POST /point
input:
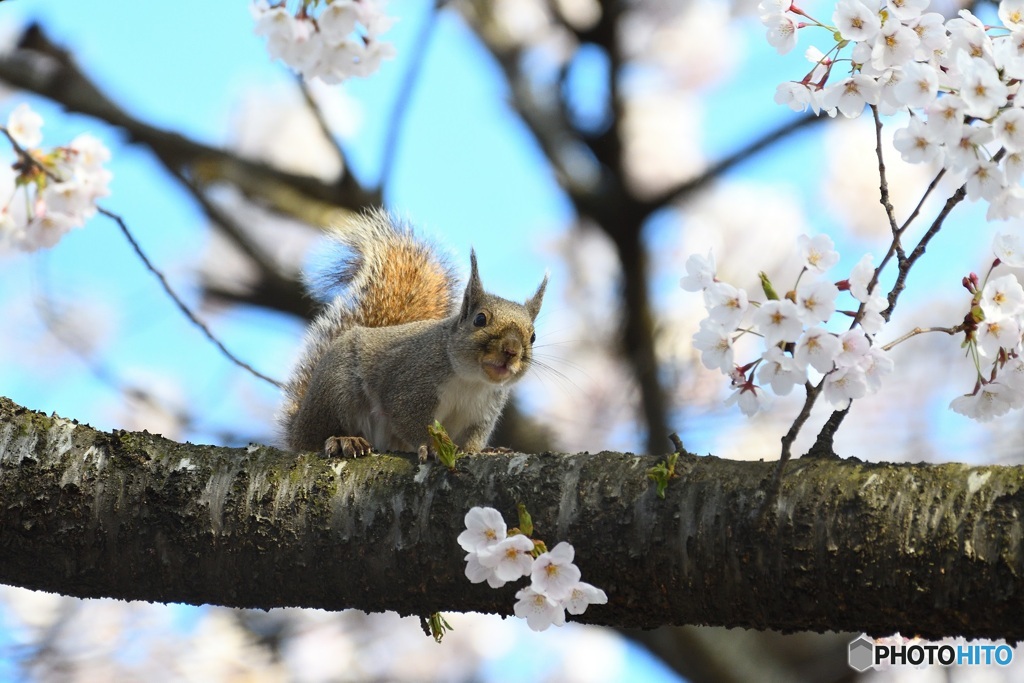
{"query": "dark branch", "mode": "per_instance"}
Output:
(933, 550)
(41, 67)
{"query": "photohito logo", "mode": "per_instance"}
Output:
(864, 654)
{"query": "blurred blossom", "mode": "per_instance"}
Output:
(276, 126)
(691, 44)
(850, 181)
(662, 148)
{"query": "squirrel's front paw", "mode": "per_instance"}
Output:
(346, 446)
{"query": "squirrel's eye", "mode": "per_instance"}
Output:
(480, 320)
(533, 337)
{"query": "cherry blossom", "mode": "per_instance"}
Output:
(779, 321)
(484, 527)
(895, 45)
(816, 301)
(510, 558)
(714, 341)
(1002, 297)
(341, 42)
(987, 402)
(818, 349)
(539, 610)
(780, 371)
(876, 364)
(581, 595)
(1009, 248)
(917, 142)
(793, 332)
(860, 277)
(726, 304)
(993, 335)
(818, 252)
(478, 573)
(919, 85)
(25, 126)
(553, 572)
(782, 32)
(751, 399)
(960, 74)
(700, 272)
(844, 384)
(47, 193)
(497, 559)
(855, 20)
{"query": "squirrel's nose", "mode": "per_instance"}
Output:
(513, 348)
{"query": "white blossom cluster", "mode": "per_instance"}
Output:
(795, 342)
(45, 194)
(332, 44)
(959, 80)
(497, 558)
(994, 330)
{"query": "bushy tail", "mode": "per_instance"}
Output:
(384, 276)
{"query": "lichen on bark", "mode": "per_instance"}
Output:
(932, 550)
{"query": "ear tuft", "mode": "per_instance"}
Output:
(533, 303)
(474, 288)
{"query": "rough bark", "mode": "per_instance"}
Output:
(933, 550)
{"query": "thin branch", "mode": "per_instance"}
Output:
(883, 183)
(794, 429)
(417, 57)
(824, 441)
(177, 300)
(917, 209)
(907, 263)
(922, 330)
(40, 66)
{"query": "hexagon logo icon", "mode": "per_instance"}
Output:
(862, 654)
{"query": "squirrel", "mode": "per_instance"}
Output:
(393, 352)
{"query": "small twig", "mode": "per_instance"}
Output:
(927, 192)
(883, 183)
(824, 441)
(794, 429)
(676, 442)
(922, 330)
(905, 264)
(177, 300)
(23, 154)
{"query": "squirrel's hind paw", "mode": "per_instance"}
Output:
(347, 447)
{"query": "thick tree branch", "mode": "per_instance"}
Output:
(933, 550)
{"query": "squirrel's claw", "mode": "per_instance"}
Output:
(426, 452)
(346, 447)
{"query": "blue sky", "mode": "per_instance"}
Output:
(184, 66)
(467, 170)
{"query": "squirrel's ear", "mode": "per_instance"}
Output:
(474, 289)
(533, 303)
